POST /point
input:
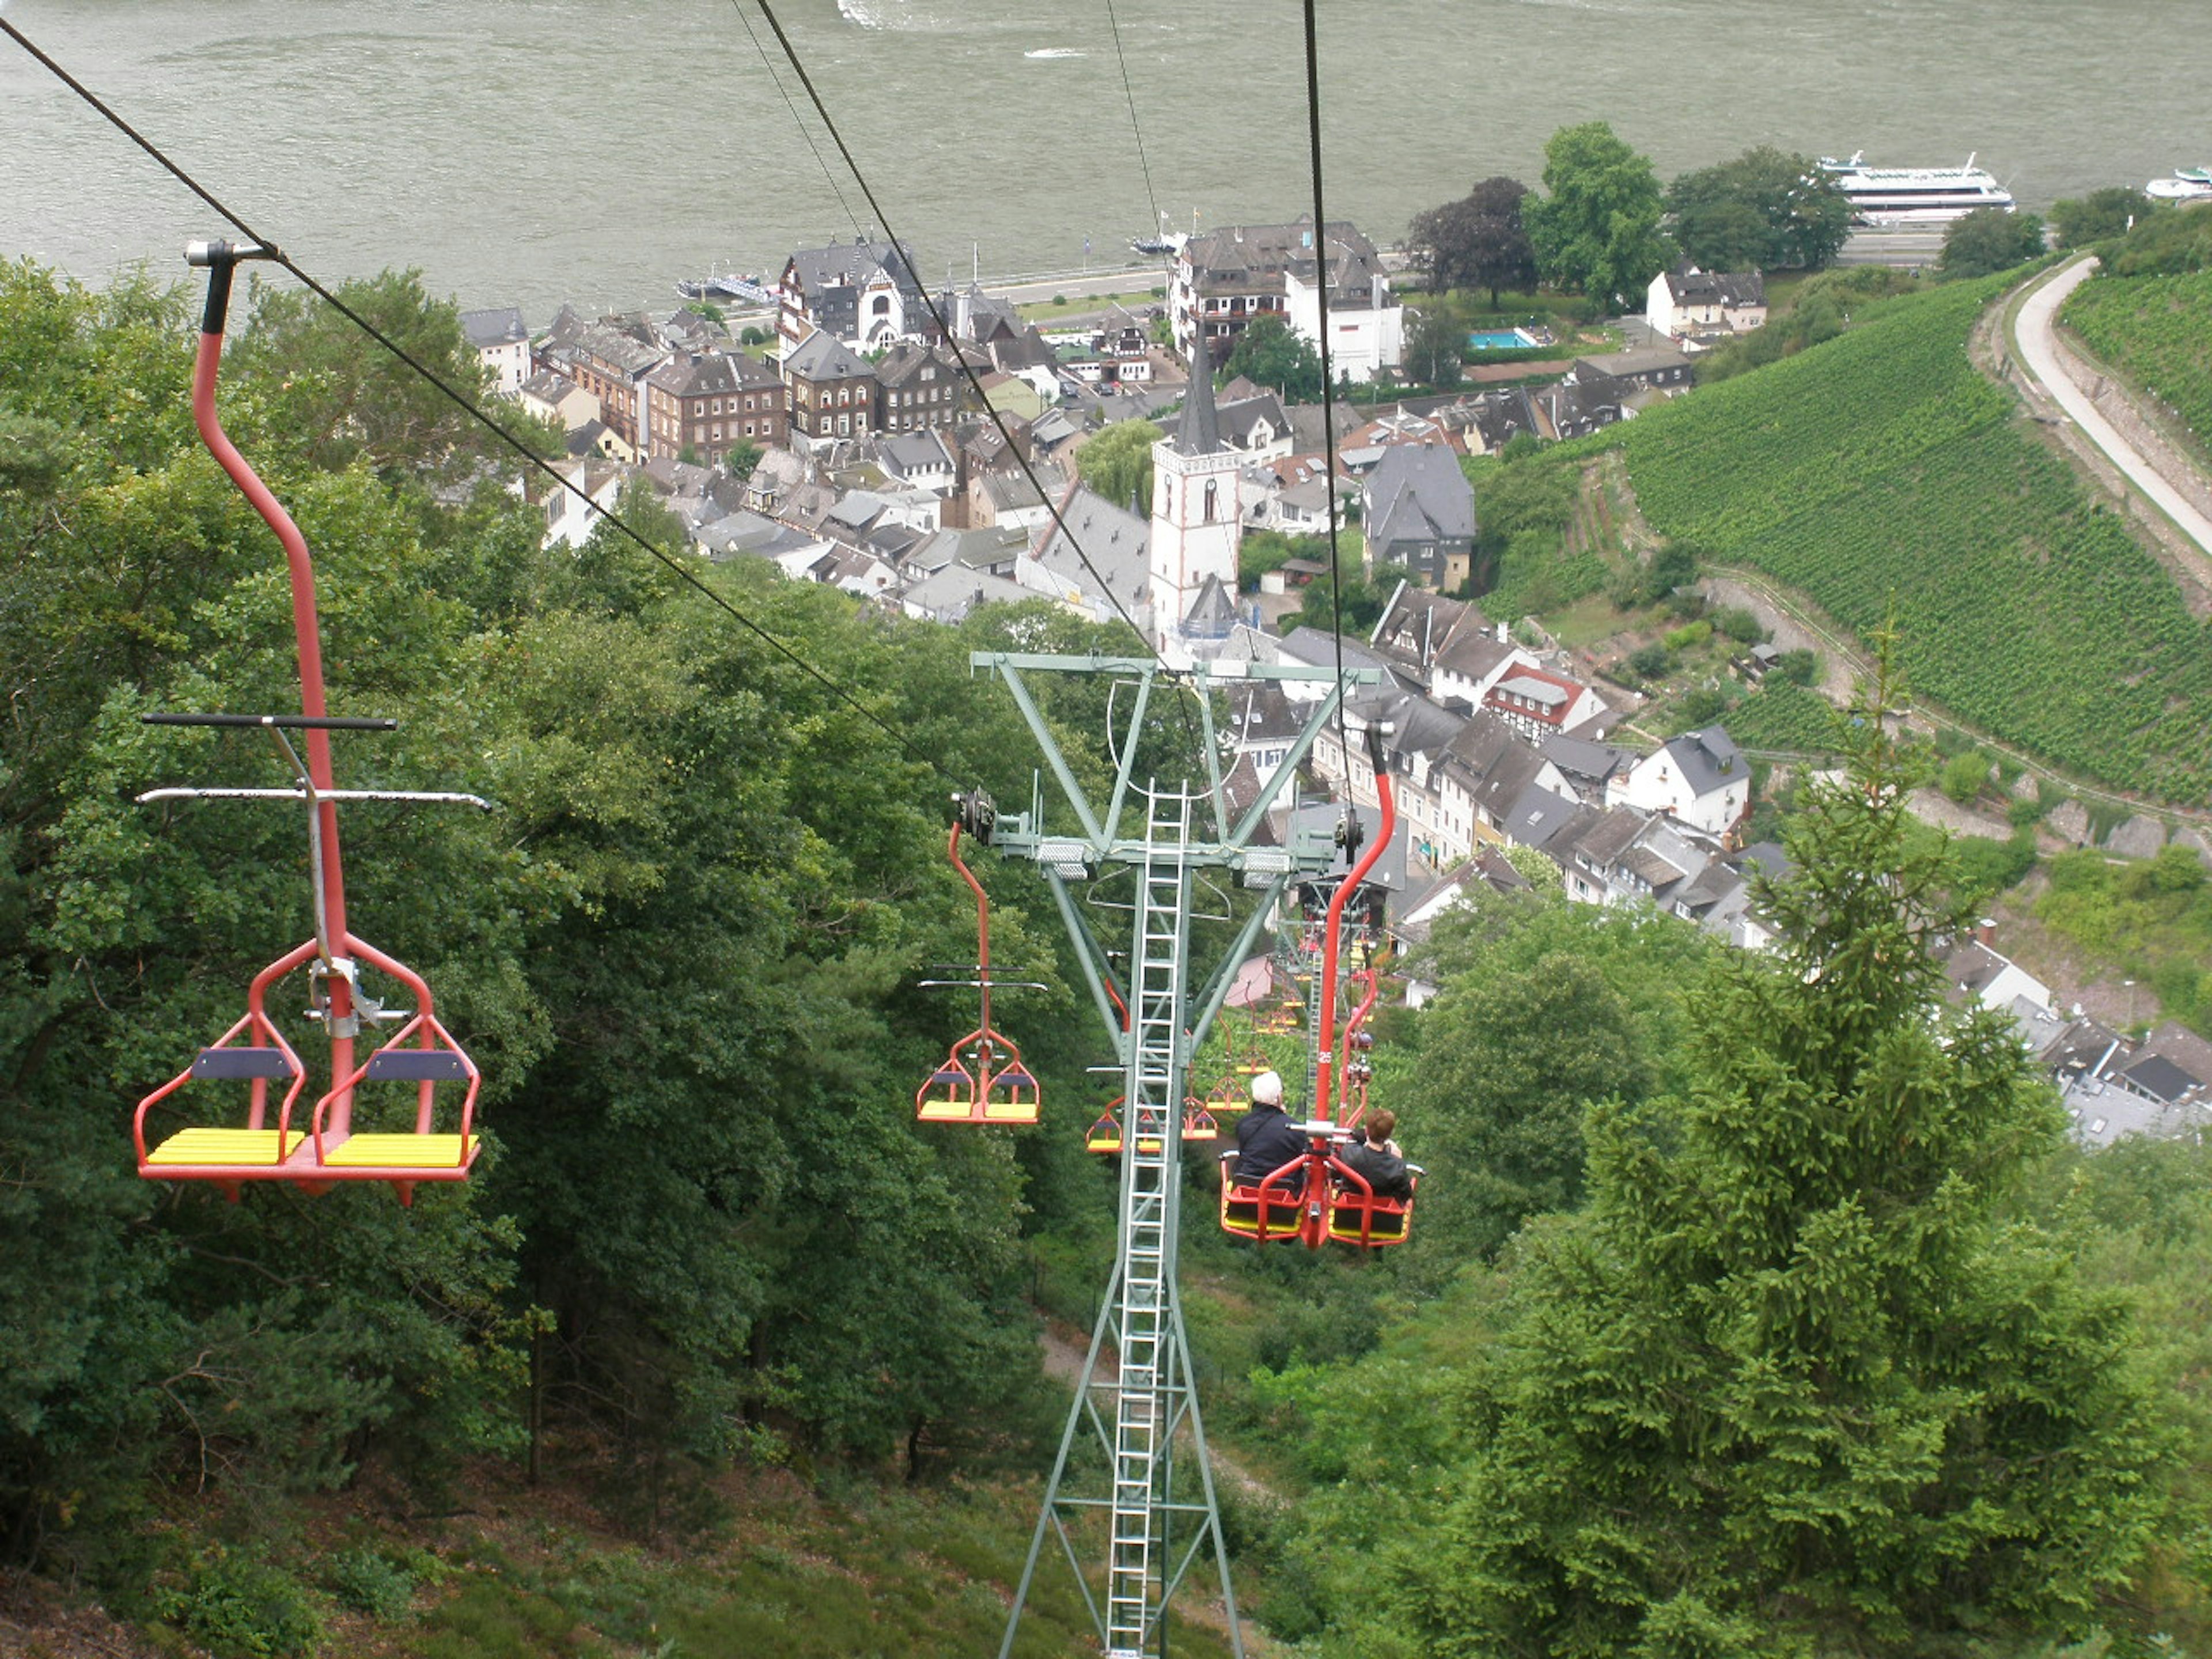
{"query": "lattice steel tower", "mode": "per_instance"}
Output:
(1131, 1531)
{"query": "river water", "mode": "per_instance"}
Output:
(536, 151)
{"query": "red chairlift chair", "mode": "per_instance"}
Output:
(981, 1080)
(229, 1156)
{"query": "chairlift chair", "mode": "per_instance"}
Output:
(981, 1078)
(325, 1151)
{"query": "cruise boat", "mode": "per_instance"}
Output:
(1914, 196)
(2187, 184)
(748, 289)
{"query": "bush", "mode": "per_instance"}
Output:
(1702, 707)
(1690, 637)
(1649, 663)
(1739, 625)
(2024, 811)
(238, 1607)
(1800, 668)
(365, 1582)
(753, 336)
(1964, 776)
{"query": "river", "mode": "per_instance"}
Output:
(533, 152)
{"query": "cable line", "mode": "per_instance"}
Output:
(468, 406)
(1129, 92)
(805, 132)
(1327, 379)
(943, 329)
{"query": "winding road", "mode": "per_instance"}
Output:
(2037, 352)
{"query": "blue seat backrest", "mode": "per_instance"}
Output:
(242, 1063)
(418, 1064)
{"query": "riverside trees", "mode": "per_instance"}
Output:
(1478, 242)
(1597, 232)
(1765, 211)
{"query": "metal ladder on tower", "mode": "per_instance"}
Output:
(1142, 1415)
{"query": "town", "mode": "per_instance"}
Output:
(920, 453)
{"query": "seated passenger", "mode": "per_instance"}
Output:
(1376, 1158)
(1266, 1139)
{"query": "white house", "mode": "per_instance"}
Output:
(1366, 324)
(1688, 303)
(502, 346)
(1700, 778)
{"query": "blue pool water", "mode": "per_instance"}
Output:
(1506, 339)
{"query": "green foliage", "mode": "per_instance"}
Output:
(1434, 348)
(2150, 920)
(1983, 867)
(1263, 551)
(1117, 464)
(1597, 232)
(2156, 331)
(1988, 240)
(238, 1607)
(1740, 625)
(1363, 601)
(1268, 354)
(1883, 472)
(1478, 242)
(1649, 662)
(1546, 1007)
(1802, 1376)
(370, 1582)
(2099, 216)
(1801, 667)
(1765, 210)
(1688, 637)
(2168, 243)
(1965, 774)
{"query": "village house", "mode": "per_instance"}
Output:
(1417, 509)
(1700, 777)
(609, 360)
(1687, 305)
(924, 387)
(833, 391)
(1366, 324)
(552, 396)
(1538, 702)
(861, 293)
(1228, 277)
(710, 405)
(502, 343)
(1648, 368)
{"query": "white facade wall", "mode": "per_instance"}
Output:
(1363, 340)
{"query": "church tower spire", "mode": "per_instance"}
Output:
(1197, 522)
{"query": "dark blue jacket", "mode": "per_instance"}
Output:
(1266, 1140)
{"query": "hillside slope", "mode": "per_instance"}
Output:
(1881, 470)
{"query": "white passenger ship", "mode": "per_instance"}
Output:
(1914, 196)
(2187, 184)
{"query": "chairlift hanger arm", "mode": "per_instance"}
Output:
(426, 796)
(290, 722)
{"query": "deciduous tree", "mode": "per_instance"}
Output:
(1597, 232)
(1117, 464)
(1990, 239)
(1765, 210)
(1478, 242)
(1268, 353)
(2111, 211)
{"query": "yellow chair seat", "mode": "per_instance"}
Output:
(404, 1151)
(236, 1148)
(944, 1111)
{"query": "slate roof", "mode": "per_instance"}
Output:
(713, 374)
(1539, 819)
(829, 280)
(1248, 256)
(2159, 1077)
(1417, 493)
(1117, 542)
(1241, 418)
(1708, 760)
(1735, 289)
(823, 356)
(501, 326)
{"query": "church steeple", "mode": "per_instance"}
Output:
(1199, 432)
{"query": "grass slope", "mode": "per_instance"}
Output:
(2157, 331)
(1882, 468)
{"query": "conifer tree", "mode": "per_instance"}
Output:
(1800, 1379)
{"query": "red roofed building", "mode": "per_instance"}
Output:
(1538, 702)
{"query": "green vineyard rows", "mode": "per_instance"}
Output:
(1882, 469)
(1780, 715)
(2157, 331)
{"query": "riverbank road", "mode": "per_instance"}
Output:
(2037, 350)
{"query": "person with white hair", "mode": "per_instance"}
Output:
(1266, 1139)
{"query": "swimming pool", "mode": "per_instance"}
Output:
(1505, 339)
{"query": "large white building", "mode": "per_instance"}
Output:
(1366, 324)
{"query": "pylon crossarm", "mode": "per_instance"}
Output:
(1058, 761)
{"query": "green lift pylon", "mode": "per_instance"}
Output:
(1134, 1531)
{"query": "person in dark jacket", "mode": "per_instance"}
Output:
(1377, 1159)
(1266, 1139)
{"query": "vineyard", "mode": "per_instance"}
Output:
(2157, 331)
(1882, 471)
(1785, 717)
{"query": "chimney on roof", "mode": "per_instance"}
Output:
(1985, 932)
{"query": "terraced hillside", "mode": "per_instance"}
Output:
(2157, 331)
(1883, 469)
